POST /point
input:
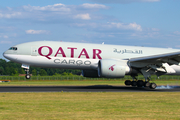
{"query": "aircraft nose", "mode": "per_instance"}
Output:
(5, 55)
(9, 56)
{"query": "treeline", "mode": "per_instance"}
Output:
(14, 69)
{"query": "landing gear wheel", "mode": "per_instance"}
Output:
(153, 85)
(127, 82)
(28, 76)
(147, 84)
(140, 83)
(134, 83)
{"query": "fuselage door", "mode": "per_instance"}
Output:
(34, 51)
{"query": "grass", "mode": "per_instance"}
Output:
(115, 106)
(87, 105)
(79, 82)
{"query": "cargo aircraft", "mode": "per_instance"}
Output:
(98, 60)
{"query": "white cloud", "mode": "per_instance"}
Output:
(72, 15)
(10, 15)
(5, 42)
(94, 6)
(147, 33)
(83, 16)
(55, 7)
(110, 26)
(4, 36)
(130, 26)
(55, 12)
(9, 8)
(37, 32)
(177, 32)
(113, 28)
(111, 35)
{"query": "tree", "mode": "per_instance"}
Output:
(1, 70)
(22, 71)
(3, 63)
(43, 72)
(34, 72)
(14, 72)
(70, 74)
(64, 73)
(7, 71)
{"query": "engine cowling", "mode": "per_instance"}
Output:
(109, 68)
(90, 73)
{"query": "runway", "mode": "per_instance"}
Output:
(94, 88)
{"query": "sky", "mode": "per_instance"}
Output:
(150, 23)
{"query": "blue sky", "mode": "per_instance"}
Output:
(152, 23)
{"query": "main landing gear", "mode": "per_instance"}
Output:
(140, 83)
(28, 76)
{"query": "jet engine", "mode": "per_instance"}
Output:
(110, 68)
(90, 73)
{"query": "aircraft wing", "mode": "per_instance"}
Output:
(170, 58)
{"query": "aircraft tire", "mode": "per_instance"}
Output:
(28, 76)
(134, 83)
(147, 84)
(153, 86)
(127, 82)
(140, 83)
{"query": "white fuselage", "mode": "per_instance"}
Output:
(77, 55)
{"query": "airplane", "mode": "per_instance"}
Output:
(98, 60)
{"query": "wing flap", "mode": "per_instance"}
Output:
(171, 58)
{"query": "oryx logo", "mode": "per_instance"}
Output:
(112, 68)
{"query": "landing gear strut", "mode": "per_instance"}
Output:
(28, 76)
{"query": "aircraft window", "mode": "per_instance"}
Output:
(13, 48)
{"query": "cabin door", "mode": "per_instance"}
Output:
(34, 51)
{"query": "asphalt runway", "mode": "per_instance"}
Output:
(94, 88)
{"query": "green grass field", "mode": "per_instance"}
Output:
(98, 106)
(87, 105)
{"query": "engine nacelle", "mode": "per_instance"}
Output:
(90, 73)
(110, 68)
